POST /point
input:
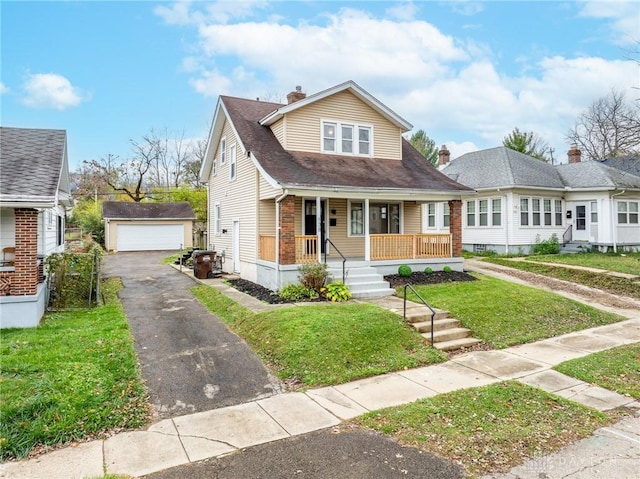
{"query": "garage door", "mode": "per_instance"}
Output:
(149, 237)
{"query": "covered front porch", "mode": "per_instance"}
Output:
(377, 232)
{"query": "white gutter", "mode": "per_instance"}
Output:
(278, 200)
(613, 220)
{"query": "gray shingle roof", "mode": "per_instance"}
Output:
(595, 174)
(31, 161)
(180, 210)
(630, 163)
(302, 169)
(502, 167)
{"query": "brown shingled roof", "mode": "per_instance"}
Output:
(304, 169)
(180, 210)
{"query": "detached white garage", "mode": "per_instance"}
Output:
(147, 226)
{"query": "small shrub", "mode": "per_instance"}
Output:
(313, 276)
(428, 270)
(297, 292)
(550, 246)
(337, 292)
(447, 269)
(404, 270)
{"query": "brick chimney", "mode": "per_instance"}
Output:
(296, 95)
(443, 156)
(574, 154)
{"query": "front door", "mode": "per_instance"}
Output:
(580, 231)
(310, 221)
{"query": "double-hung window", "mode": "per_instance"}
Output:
(540, 211)
(628, 212)
(547, 211)
(431, 215)
(346, 138)
(483, 210)
(217, 219)
(558, 211)
(232, 162)
(223, 151)
(535, 209)
(524, 211)
(471, 213)
(594, 212)
(357, 218)
(446, 215)
(496, 212)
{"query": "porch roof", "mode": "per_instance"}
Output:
(34, 167)
(298, 169)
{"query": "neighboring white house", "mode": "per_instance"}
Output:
(521, 199)
(34, 195)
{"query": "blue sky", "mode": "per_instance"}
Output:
(466, 72)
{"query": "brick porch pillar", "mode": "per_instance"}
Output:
(287, 231)
(25, 278)
(455, 227)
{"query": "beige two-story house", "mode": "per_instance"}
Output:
(326, 177)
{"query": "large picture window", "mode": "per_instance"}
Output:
(340, 138)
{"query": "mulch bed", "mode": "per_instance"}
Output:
(420, 277)
(271, 297)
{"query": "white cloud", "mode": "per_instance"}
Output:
(624, 18)
(50, 90)
(405, 11)
(222, 11)
(467, 8)
(3, 88)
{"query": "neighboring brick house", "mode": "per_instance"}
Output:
(34, 195)
(284, 179)
(588, 204)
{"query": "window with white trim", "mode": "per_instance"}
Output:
(217, 219)
(340, 138)
(483, 211)
(594, 212)
(471, 213)
(628, 212)
(232, 162)
(356, 215)
(540, 211)
(223, 151)
(496, 212)
(431, 215)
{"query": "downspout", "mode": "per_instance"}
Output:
(506, 219)
(613, 222)
(278, 200)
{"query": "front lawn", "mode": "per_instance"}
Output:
(325, 344)
(488, 429)
(617, 369)
(503, 314)
(73, 377)
(604, 282)
(622, 263)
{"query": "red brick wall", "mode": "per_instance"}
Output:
(287, 231)
(455, 227)
(24, 280)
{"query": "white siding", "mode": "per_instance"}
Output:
(7, 228)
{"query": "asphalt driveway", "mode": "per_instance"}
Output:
(189, 359)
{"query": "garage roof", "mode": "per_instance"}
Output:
(124, 210)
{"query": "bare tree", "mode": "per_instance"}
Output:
(194, 162)
(609, 128)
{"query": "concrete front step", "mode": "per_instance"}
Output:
(438, 325)
(456, 344)
(448, 334)
(367, 286)
(363, 281)
(373, 293)
(419, 315)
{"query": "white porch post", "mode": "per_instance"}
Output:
(367, 239)
(318, 227)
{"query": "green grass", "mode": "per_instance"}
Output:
(503, 314)
(73, 377)
(488, 429)
(604, 282)
(325, 344)
(617, 369)
(628, 263)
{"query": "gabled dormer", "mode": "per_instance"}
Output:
(343, 120)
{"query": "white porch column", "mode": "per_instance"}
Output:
(319, 227)
(367, 239)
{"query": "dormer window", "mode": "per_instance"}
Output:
(346, 139)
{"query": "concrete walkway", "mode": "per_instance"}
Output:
(218, 432)
(579, 268)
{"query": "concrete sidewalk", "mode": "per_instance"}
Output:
(194, 437)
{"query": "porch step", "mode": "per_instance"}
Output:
(438, 325)
(422, 314)
(362, 279)
(456, 344)
(448, 334)
(575, 247)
